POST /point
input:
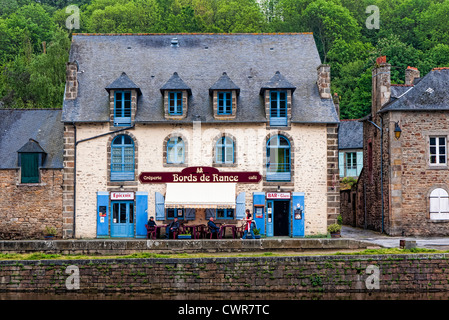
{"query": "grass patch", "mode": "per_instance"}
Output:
(392, 251)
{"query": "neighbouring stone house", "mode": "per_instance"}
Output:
(350, 160)
(31, 173)
(196, 126)
(409, 127)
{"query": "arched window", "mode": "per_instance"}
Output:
(439, 204)
(122, 158)
(278, 159)
(224, 150)
(175, 150)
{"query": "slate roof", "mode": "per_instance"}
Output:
(18, 126)
(278, 81)
(350, 134)
(176, 83)
(123, 82)
(250, 60)
(224, 83)
(32, 146)
(431, 93)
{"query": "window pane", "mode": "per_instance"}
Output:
(115, 212)
(122, 212)
(433, 150)
(432, 141)
(442, 159)
(442, 141)
(433, 159)
(131, 213)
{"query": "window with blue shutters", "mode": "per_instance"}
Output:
(175, 150)
(122, 108)
(278, 108)
(175, 103)
(224, 150)
(278, 159)
(224, 103)
(225, 214)
(122, 158)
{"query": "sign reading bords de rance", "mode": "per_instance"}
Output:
(200, 174)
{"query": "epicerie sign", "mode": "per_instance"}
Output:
(122, 195)
(278, 195)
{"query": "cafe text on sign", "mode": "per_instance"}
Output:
(278, 195)
(122, 195)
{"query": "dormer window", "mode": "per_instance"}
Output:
(123, 94)
(175, 94)
(175, 103)
(224, 103)
(277, 95)
(224, 94)
(122, 108)
(31, 158)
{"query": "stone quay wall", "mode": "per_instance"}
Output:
(376, 273)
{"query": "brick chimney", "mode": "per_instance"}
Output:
(71, 86)
(381, 85)
(324, 81)
(411, 74)
(336, 99)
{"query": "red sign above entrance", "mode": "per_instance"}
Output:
(278, 195)
(200, 174)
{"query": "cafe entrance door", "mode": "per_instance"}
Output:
(122, 219)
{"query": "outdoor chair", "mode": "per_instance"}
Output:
(151, 232)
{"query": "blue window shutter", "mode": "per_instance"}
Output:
(141, 213)
(189, 214)
(359, 162)
(341, 163)
(259, 200)
(102, 213)
(210, 213)
(298, 204)
(240, 206)
(160, 206)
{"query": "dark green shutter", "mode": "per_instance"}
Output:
(30, 167)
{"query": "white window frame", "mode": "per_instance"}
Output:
(437, 153)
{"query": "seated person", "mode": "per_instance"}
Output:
(213, 227)
(151, 222)
(172, 227)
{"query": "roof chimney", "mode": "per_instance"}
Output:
(336, 99)
(324, 81)
(381, 85)
(410, 75)
(71, 86)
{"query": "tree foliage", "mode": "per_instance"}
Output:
(412, 33)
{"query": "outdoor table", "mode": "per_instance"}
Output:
(158, 230)
(223, 227)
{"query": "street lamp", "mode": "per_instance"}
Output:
(397, 130)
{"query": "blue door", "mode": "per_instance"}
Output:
(122, 219)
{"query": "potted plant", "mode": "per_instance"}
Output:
(334, 230)
(256, 233)
(49, 232)
(185, 235)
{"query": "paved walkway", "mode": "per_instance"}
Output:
(383, 240)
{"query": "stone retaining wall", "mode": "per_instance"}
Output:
(392, 273)
(117, 247)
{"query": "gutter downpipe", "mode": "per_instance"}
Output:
(381, 167)
(74, 166)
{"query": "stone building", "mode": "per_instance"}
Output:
(31, 173)
(196, 126)
(408, 129)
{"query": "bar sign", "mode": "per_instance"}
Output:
(278, 195)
